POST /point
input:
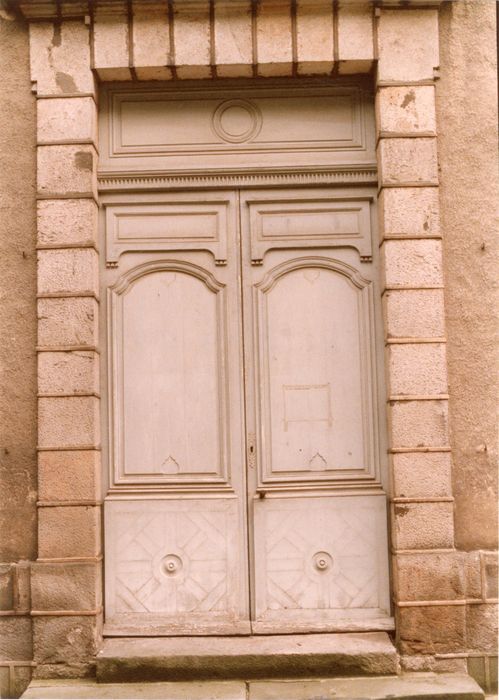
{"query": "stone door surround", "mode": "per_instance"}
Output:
(75, 45)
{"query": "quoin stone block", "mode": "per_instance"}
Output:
(68, 271)
(71, 421)
(423, 525)
(407, 161)
(417, 369)
(67, 170)
(409, 211)
(414, 313)
(75, 372)
(419, 423)
(64, 640)
(407, 45)
(67, 222)
(429, 577)
(416, 264)
(432, 630)
(67, 119)
(406, 110)
(68, 531)
(60, 57)
(66, 586)
(69, 475)
(421, 474)
(67, 322)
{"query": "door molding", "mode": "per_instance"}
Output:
(150, 182)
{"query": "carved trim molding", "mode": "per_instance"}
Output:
(124, 182)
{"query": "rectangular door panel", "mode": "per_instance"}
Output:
(245, 128)
(170, 359)
(313, 368)
(307, 219)
(174, 567)
(321, 563)
(170, 222)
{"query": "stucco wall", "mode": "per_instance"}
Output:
(17, 349)
(467, 141)
(467, 112)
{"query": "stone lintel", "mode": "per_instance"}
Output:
(51, 9)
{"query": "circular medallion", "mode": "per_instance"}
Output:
(171, 565)
(237, 121)
(322, 561)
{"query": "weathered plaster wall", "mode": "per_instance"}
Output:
(17, 351)
(467, 110)
(467, 140)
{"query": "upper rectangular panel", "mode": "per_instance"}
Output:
(174, 223)
(249, 128)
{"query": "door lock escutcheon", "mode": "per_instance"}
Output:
(251, 450)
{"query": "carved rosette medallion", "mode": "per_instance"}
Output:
(168, 565)
(237, 121)
(322, 561)
(172, 565)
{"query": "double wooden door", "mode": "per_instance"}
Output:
(244, 490)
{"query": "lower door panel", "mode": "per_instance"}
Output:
(175, 567)
(321, 563)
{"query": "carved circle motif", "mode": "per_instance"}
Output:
(171, 565)
(322, 561)
(237, 121)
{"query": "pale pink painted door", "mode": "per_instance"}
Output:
(244, 488)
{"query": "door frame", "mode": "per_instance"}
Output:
(415, 189)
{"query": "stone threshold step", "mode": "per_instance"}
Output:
(411, 686)
(277, 656)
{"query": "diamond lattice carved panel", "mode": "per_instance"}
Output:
(321, 556)
(172, 558)
(172, 562)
